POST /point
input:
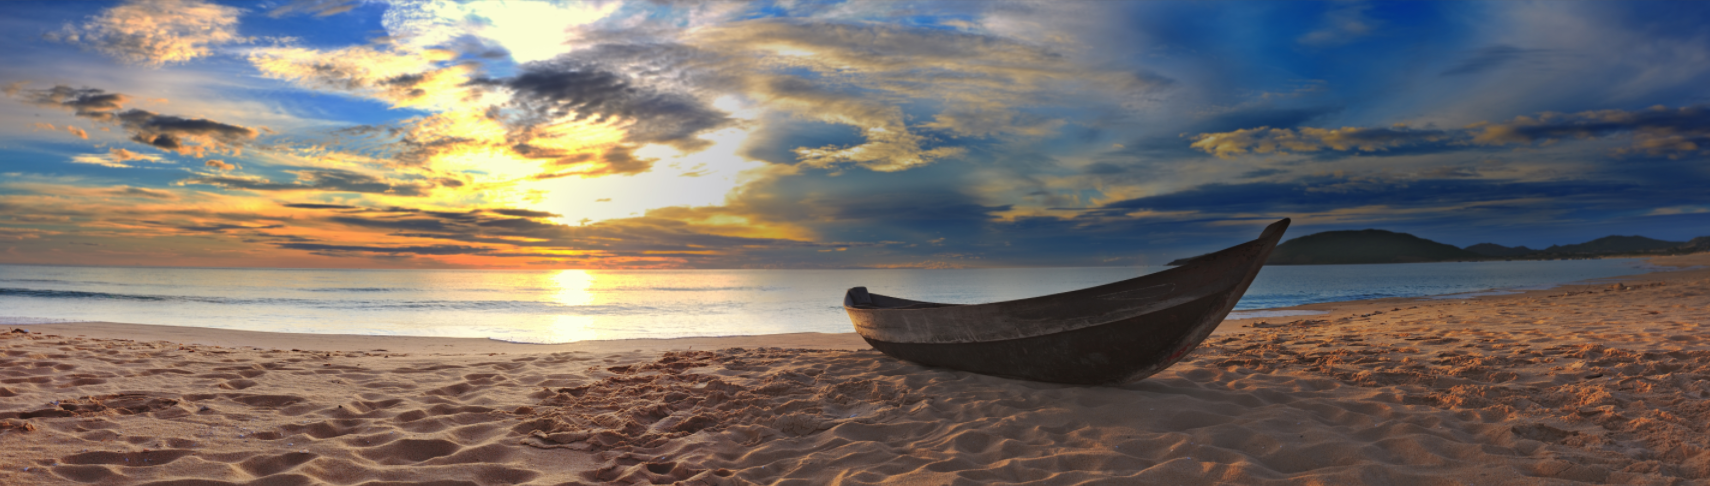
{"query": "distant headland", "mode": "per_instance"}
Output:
(1379, 246)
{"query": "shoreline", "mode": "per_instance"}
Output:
(1592, 383)
(800, 340)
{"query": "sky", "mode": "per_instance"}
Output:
(806, 134)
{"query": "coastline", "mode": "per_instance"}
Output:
(798, 340)
(1585, 383)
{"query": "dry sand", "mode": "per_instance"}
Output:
(1578, 384)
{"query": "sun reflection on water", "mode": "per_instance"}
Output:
(573, 290)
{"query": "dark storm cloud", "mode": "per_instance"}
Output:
(170, 132)
(189, 136)
(865, 206)
(524, 213)
(326, 180)
(89, 103)
(583, 91)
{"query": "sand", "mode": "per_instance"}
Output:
(1606, 383)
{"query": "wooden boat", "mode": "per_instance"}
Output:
(1112, 333)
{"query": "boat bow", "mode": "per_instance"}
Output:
(1120, 331)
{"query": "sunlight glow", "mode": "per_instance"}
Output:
(573, 287)
(698, 179)
(573, 290)
(519, 25)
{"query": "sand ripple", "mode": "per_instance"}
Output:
(1584, 385)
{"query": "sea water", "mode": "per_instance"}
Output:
(555, 306)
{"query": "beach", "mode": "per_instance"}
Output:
(1597, 383)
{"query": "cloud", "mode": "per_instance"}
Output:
(588, 111)
(224, 227)
(188, 136)
(528, 31)
(89, 103)
(126, 191)
(319, 206)
(1264, 140)
(73, 130)
(123, 155)
(318, 8)
(325, 180)
(863, 74)
(525, 236)
(1494, 57)
(576, 91)
(983, 123)
(580, 119)
(1656, 131)
(416, 250)
(1340, 26)
(117, 158)
(156, 32)
(220, 165)
(401, 75)
(524, 213)
(1447, 198)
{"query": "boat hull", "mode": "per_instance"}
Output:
(1120, 332)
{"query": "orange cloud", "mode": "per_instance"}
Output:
(156, 32)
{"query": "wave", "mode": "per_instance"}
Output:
(516, 306)
(685, 289)
(78, 294)
(37, 280)
(21, 320)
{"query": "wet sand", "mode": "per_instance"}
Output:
(1606, 383)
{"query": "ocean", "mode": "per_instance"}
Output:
(557, 306)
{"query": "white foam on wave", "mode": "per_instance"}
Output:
(528, 340)
(20, 320)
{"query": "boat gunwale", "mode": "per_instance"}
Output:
(1097, 290)
(934, 323)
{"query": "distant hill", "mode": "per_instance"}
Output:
(1379, 246)
(1698, 244)
(1365, 246)
(1495, 250)
(1615, 244)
